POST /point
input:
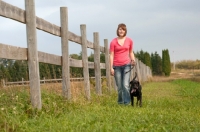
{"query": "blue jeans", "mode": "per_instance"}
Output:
(122, 80)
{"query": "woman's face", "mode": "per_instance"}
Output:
(121, 32)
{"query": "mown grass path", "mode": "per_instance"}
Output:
(167, 106)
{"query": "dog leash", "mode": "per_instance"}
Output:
(131, 68)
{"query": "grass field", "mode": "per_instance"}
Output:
(167, 106)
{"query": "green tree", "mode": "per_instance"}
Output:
(52, 71)
(44, 71)
(76, 71)
(58, 70)
(91, 59)
(102, 60)
(140, 55)
(166, 64)
(4, 73)
(156, 62)
(147, 59)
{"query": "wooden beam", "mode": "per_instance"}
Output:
(49, 58)
(18, 14)
(12, 12)
(13, 52)
(65, 53)
(33, 63)
(97, 63)
(85, 62)
(107, 64)
(138, 70)
(18, 53)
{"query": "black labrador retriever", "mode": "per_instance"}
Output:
(135, 91)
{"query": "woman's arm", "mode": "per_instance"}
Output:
(132, 57)
(111, 63)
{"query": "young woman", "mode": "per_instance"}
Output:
(121, 59)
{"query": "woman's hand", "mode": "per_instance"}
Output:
(112, 72)
(133, 63)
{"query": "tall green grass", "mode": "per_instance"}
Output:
(167, 106)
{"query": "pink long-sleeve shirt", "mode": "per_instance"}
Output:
(121, 53)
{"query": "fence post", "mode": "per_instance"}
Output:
(33, 64)
(145, 72)
(97, 63)
(65, 53)
(107, 64)
(138, 70)
(3, 83)
(141, 70)
(85, 61)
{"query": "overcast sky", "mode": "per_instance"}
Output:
(153, 25)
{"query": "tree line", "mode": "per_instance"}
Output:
(159, 65)
(15, 70)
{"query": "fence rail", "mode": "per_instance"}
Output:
(4, 84)
(18, 14)
(33, 56)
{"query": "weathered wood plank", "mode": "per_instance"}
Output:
(91, 65)
(65, 53)
(97, 64)
(75, 63)
(12, 12)
(85, 62)
(33, 63)
(102, 49)
(74, 38)
(18, 53)
(77, 39)
(48, 27)
(49, 58)
(13, 52)
(138, 69)
(107, 65)
(18, 14)
(102, 66)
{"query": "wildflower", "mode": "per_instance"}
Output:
(2, 109)
(54, 104)
(14, 112)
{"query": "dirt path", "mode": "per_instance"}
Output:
(179, 74)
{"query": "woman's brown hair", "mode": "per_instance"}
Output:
(123, 26)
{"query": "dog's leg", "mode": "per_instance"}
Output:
(137, 100)
(132, 100)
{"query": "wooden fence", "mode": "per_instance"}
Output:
(23, 82)
(33, 56)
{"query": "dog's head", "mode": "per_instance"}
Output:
(134, 84)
